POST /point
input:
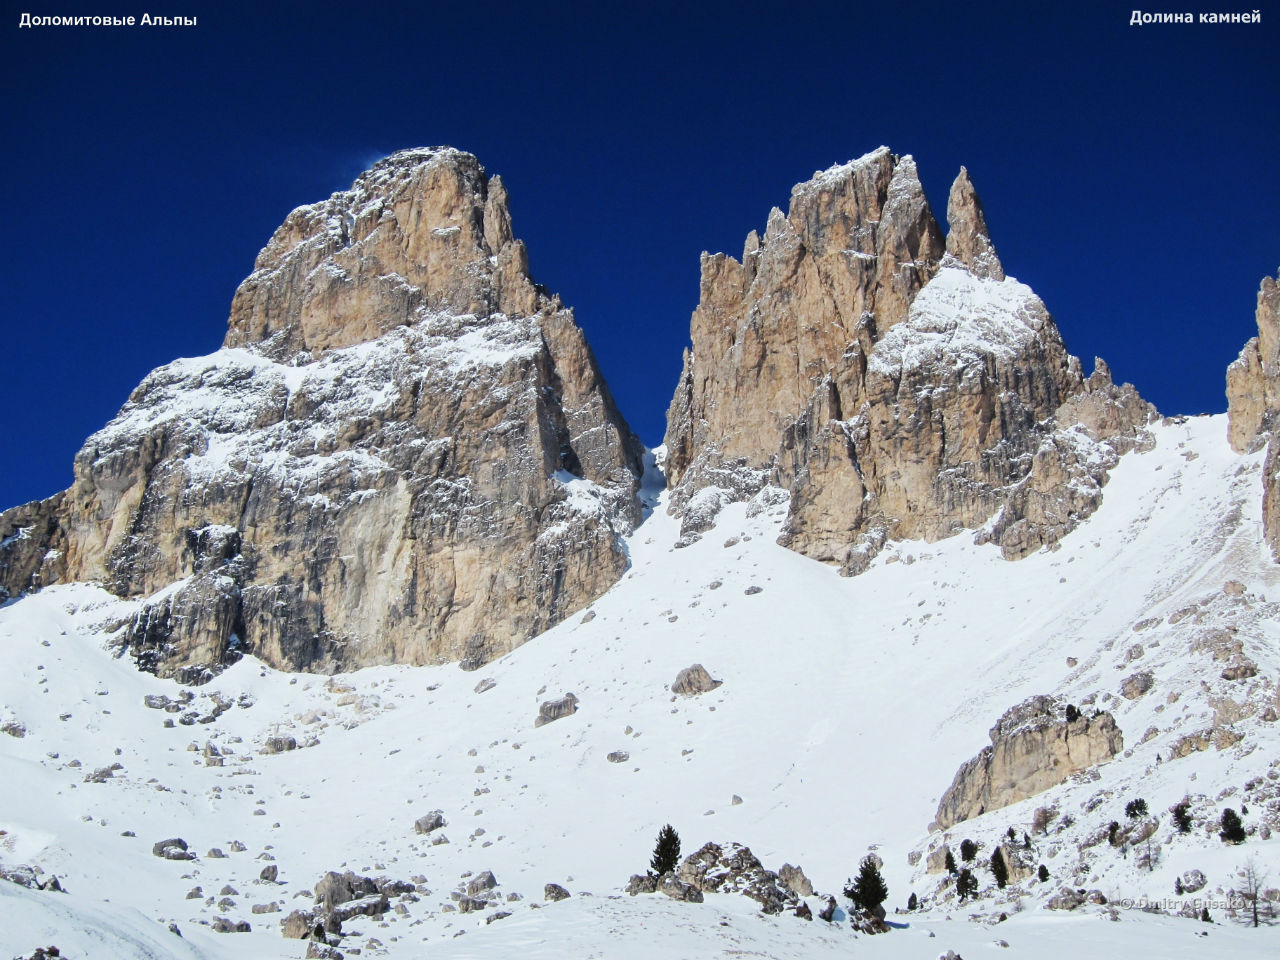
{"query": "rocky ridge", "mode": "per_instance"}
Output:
(1253, 402)
(404, 451)
(893, 383)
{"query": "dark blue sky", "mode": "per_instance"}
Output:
(1129, 173)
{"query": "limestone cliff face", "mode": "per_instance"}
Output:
(1253, 403)
(895, 384)
(1033, 747)
(404, 451)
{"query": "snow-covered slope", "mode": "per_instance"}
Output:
(846, 707)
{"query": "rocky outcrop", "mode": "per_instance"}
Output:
(403, 452)
(894, 384)
(1033, 747)
(1253, 403)
(733, 868)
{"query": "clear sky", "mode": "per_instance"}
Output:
(1129, 173)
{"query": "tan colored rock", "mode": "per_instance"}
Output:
(893, 385)
(936, 862)
(404, 452)
(1135, 685)
(967, 237)
(1033, 747)
(1253, 380)
(693, 680)
(1253, 404)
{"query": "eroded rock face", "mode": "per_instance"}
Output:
(404, 451)
(1253, 403)
(895, 385)
(1033, 747)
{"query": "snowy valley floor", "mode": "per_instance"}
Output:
(846, 707)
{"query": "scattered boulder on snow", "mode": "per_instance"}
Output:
(556, 709)
(472, 904)
(279, 745)
(618, 756)
(488, 683)
(1135, 685)
(223, 925)
(1245, 669)
(269, 873)
(335, 889)
(554, 892)
(1193, 880)
(481, 883)
(374, 905)
(14, 729)
(306, 925)
(693, 680)
(1065, 899)
(175, 848)
(33, 878)
(642, 883)
(432, 821)
(828, 912)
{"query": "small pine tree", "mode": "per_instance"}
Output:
(1232, 828)
(1011, 835)
(968, 850)
(912, 902)
(1026, 841)
(1073, 714)
(868, 891)
(1135, 808)
(1043, 873)
(1112, 830)
(1177, 886)
(1204, 916)
(999, 869)
(966, 885)
(666, 853)
(1182, 816)
(1244, 809)
(950, 863)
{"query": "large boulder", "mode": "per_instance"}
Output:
(1033, 747)
(693, 680)
(431, 821)
(556, 709)
(175, 848)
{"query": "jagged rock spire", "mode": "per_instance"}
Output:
(968, 239)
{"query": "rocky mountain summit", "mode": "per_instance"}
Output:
(1253, 403)
(895, 384)
(403, 452)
